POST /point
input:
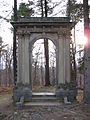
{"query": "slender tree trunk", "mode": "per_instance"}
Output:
(69, 8)
(35, 65)
(47, 80)
(53, 74)
(35, 71)
(14, 44)
(45, 8)
(42, 7)
(86, 13)
(42, 80)
(73, 47)
(9, 75)
(6, 80)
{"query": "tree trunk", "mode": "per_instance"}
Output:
(69, 2)
(6, 81)
(9, 75)
(73, 47)
(86, 13)
(42, 80)
(14, 44)
(35, 72)
(47, 80)
(45, 8)
(42, 7)
(86, 55)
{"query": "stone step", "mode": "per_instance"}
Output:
(37, 104)
(43, 99)
(43, 94)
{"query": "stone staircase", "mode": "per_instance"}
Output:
(42, 99)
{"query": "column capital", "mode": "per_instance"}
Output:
(59, 35)
(23, 31)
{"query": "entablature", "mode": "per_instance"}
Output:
(42, 21)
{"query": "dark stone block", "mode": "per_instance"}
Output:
(71, 94)
(21, 91)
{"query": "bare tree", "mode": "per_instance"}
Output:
(35, 61)
(53, 65)
(42, 72)
(45, 10)
(8, 60)
(2, 51)
(47, 80)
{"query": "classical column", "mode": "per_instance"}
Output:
(67, 58)
(23, 59)
(30, 62)
(65, 65)
(60, 60)
(26, 59)
(19, 59)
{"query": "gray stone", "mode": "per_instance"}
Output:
(58, 31)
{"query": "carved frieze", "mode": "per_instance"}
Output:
(35, 29)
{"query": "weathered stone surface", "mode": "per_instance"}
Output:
(21, 91)
(30, 30)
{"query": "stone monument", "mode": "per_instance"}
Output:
(29, 30)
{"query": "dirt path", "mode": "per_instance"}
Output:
(75, 111)
(63, 112)
(6, 104)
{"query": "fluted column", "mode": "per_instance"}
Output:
(23, 59)
(60, 60)
(19, 60)
(67, 57)
(26, 59)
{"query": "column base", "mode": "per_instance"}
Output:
(70, 94)
(22, 90)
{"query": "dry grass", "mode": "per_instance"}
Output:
(80, 95)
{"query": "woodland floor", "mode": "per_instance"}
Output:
(74, 111)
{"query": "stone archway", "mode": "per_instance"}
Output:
(28, 31)
(38, 66)
(33, 39)
(52, 88)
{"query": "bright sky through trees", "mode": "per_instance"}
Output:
(6, 7)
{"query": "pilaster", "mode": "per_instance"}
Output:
(19, 60)
(60, 59)
(67, 57)
(26, 59)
